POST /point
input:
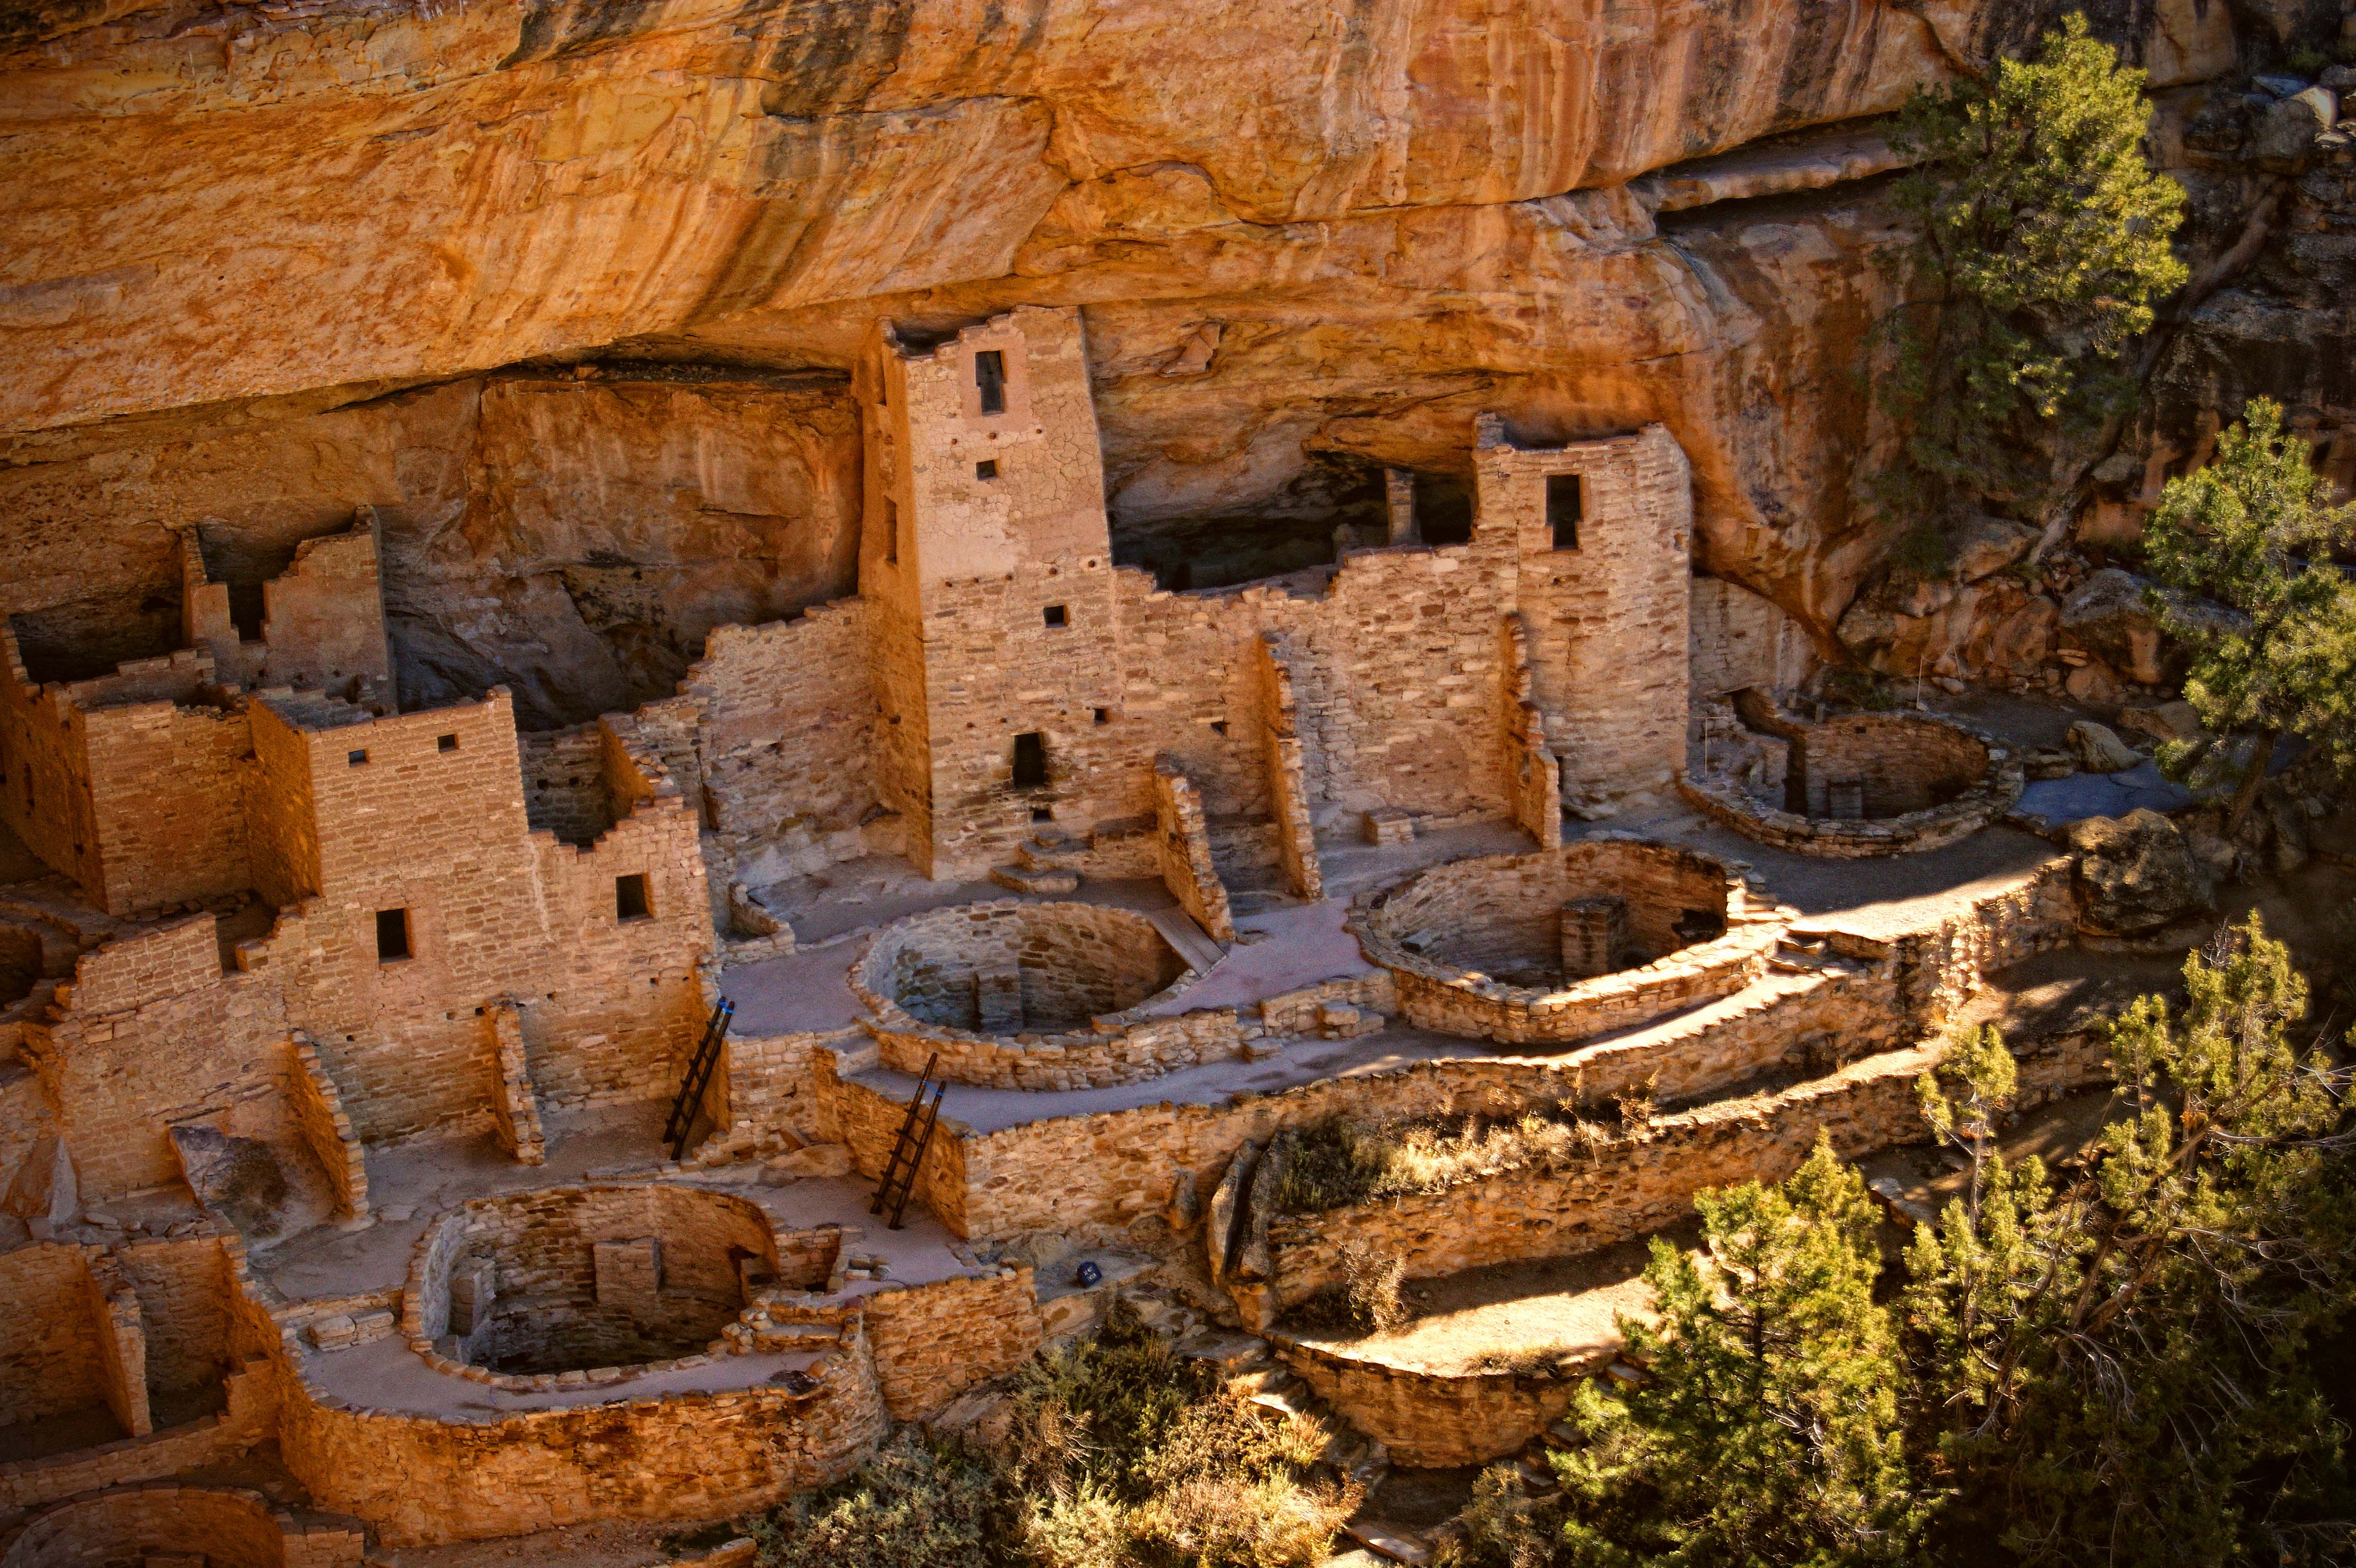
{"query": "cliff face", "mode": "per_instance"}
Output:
(1311, 239)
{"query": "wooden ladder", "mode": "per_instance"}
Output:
(908, 1149)
(700, 1067)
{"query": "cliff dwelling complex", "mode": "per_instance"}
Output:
(631, 858)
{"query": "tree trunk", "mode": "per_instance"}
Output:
(2254, 776)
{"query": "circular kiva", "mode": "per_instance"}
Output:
(519, 1288)
(1604, 933)
(1868, 784)
(223, 1527)
(1021, 996)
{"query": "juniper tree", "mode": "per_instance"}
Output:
(1765, 1429)
(2044, 242)
(2116, 1371)
(2254, 532)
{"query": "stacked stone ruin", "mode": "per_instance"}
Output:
(297, 944)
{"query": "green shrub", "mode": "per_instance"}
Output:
(1118, 1453)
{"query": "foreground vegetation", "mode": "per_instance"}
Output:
(2120, 1366)
(1353, 1159)
(1116, 1454)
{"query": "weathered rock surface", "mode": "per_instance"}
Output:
(1307, 248)
(2134, 874)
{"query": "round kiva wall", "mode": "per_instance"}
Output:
(1601, 934)
(226, 1528)
(577, 1278)
(1868, 784)
(1028, 996)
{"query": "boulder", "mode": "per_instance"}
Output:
(1255, 1264)
(2175, 720)
(2287, 129)
(1986, 545)
(1228, 1200)
(2111, 615)
(2094, 683)
(1184, 1207)
(2134, 874)
(2099, 749)
(238, 1178)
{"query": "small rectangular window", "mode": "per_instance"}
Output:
(1055, 616)
(1563, 507)
(391, 935)
(1042, 814)
(891, 532)
(1029, 760)
(986, 469)
(630, 897)
(356, 757)
(990, 377)
(1103, 715)
(1218, 726)
(445, 743)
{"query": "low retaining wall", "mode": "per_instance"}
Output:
(1437, 1420)
(1442, 932)
(1966, 779)
(1638, 1183)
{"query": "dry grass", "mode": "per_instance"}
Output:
(1369, 1299)
(1347, 1160)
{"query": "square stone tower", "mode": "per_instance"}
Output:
(985, 551)
(1604, 529)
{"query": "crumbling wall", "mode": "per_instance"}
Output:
(150, 1032)
(1182, 847)
(787, 734)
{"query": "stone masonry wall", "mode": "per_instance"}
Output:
(787, 735)
(1182, 838)
(150, 1032)
(1439, 1420)
(1287, 774)
(933, 1343)
(1608, 620)
(49, 1350)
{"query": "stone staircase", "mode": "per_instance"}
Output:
(1048, 862)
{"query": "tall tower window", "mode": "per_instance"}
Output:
(1563, 507)
(391, 935)
(989, 378)
(1029, 760)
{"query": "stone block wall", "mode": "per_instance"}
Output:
(1945, 783)
(1534, 774)
(315, 1108)
(51, 1359)
(933, 1342)
(1440, 1419)
(251, 1417)
(786, 729)
(1906, 763)
(127, 783)
(151, 1032)
(565, 789)
(113, 1309)
(183, 1287)
(1609, 617)
(1288, 776)
(1182, 844)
